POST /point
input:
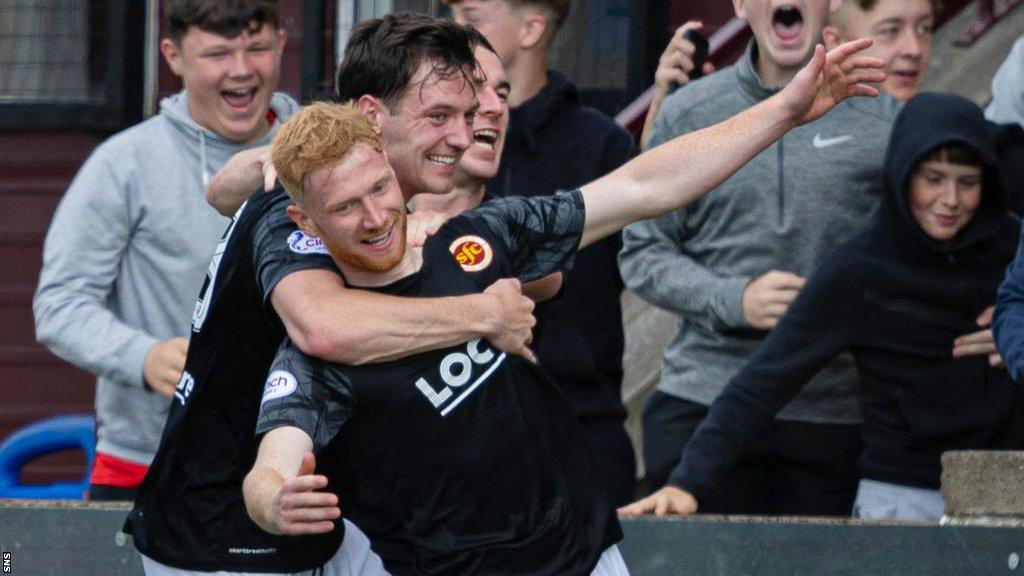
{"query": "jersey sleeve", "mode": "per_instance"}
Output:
(541, 233)
(280, 248)
(306, 393)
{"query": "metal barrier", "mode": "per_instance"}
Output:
(43, 539)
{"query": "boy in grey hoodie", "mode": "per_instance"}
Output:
(131, 240)
(730, 264)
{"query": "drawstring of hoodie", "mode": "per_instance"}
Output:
(204, 173)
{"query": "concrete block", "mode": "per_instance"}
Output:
(983, 483)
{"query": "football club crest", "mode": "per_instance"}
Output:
(473, 253)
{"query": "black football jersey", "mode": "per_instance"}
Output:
(189, 512)
(463, 460)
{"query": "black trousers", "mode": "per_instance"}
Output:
(794, 468)
(103, 493)
(616, 462)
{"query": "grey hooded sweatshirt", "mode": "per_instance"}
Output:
(125, 258)
(1007, 106)
(784, 210)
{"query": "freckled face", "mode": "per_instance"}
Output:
(358, 212)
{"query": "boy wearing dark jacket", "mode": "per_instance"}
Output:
(906, 297)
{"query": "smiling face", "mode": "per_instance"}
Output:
(427, 131)
(229, 81)
(480, 162)
(944, 196)
(786, 31)
(902, 34)
(356, 208)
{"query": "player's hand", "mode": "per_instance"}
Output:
(668, 500)
(266, 167)
(676, 61)
(422, 224)
(980, 343)
(514, 321)
(767, 298)
(164, 364)
(299, 508)
(829, 78)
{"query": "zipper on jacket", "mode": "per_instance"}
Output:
(782, 183)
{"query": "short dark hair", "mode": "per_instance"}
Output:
(383, 55)
(228, 18)
(954, 153)
(867, 5)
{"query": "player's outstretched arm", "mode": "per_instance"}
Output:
(282, 495)
(329, 321)
(239, 178)
(684, 169)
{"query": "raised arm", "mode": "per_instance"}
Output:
(239, 178)
(684, 169)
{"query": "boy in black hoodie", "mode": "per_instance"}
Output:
(901, 296)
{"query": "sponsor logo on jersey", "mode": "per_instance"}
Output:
(473, 253)
(253, 551)
(279, 384)
(460, 373)
(302, 243)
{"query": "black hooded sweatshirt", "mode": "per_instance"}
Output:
(556, 143)
(897, 299)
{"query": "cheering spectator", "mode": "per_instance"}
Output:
(911, 297)
(131, 240)
(902, 34)
(730, 265)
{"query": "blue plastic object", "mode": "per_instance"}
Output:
(41, 438)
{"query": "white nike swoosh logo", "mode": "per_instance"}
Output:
(820, 142)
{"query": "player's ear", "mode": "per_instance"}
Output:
(302, 220)
(374, 109)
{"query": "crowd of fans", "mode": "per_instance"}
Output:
(848, 298)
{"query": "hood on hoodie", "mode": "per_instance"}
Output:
(214, 149)
(930, 121)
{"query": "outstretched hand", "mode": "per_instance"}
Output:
(300, 508)
(829, 78)
(668, 500)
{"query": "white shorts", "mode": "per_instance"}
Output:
(611, 564)
(887, 501)
(353, 558)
